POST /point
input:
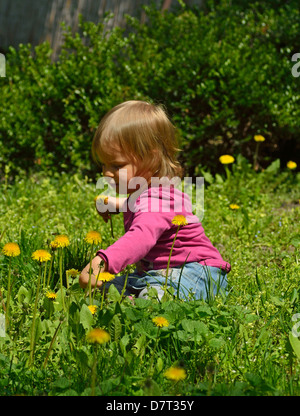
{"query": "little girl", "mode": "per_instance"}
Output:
(136, 145)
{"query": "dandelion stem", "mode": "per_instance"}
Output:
(90, 275)
(168, 265)
(97, 278)
(50, 269)
(8, 295)
(94, 372)
(255, 158)
(44, 280)
(61, 279)
(32, 338)
(111, 227)
(103, 291)
(124, 287)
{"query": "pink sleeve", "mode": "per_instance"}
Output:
(145, 230)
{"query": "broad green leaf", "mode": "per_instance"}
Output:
(86, 317)
(295, 343)
(193, 326)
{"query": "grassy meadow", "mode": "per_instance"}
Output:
(238, 345)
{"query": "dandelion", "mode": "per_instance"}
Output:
(93, 309)
(51, 295)
(62, 241)
(234, 206)
(53, 245)
(11, 250)
(179, 220)
(98, 336)
(104, 277)
(41, 256)
(160, 321)
(291, 165)
(73, 273)
(93, 237)
(226, 159)
(259, 138)
(175, 373)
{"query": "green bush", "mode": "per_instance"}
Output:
(223, 73)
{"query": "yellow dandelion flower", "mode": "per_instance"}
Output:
(259, 138)
(175, 373)
(291, 165)
(179, 220)
(160, 321)
(51, 295)
(106, 277)
(11, 250)
(98, 335)
(226, 159)
(93, 237)
(73, 273)
(62, 241)
(234, 206)
(53, 245)
(92, 308)
(41, 256)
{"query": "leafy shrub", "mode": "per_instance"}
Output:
(223, 73)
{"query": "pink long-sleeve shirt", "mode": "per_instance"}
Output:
(149, 234)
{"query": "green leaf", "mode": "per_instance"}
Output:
(112, 294)
(295, 343)
(192, 326)
(143, 303)
(86, 317)
(23, 295)
(216, 342)
(273, 167)
(61, 383)
(115, 328)
(124, 341)
(139, 347)
(208, 177)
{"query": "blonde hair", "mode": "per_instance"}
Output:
(144, 134)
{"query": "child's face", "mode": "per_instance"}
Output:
(121, 170)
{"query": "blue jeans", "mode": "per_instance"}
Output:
(193, 281)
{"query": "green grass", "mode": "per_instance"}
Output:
(240, 345)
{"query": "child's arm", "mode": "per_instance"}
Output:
(96, 267)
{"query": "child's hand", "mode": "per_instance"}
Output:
(108, 205)
(84, 276)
